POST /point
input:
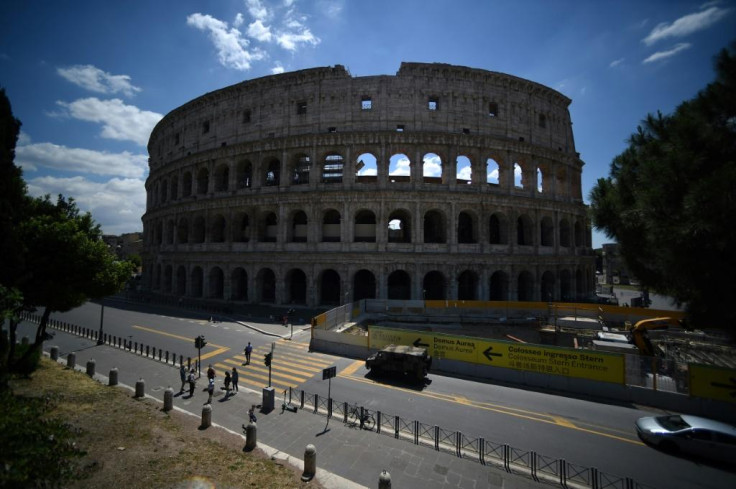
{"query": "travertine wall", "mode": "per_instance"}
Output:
(281, 190)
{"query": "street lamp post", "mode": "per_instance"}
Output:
(102, 317)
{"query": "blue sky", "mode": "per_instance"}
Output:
(90, 79)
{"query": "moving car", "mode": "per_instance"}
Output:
(693, 435)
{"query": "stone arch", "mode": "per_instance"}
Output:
(168, 276)
(518, 176)
(565, 236)
(580, 284)
(218, 229)
(296, 286)
(399, 286)
(301, 167)
(493, 170)
(181, 281)
(164, 190)
(364, 285)
(467, 227)
(524, 231)
(435, 227)
(525, 286)
(244, 174)
(241, 227)
(434, 286)
(432, 168)
(239, 284)
(216, 283)
(579, 233)
(197, 282)
(366, 169)
(333, 167)
(198, 230)
(266, 286)
(157, 277)
(186, 188)
(272, 173)
(467, 286)
(498, 286)
(298, 227)
(203, 181)
(399, 168)
(547, 286)
(546, 232)
(364, 229)
(399, 226)
(267, 227)
(170, 231)
(566, 293)
(329, 287)
(222, 177)
(498, 229)
(463, 170)
(540, 180)
(331, 226)
(174, 188)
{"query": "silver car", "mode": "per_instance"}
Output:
(693, 435)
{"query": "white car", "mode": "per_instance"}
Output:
(693, 435)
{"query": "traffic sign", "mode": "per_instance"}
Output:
(329, 372)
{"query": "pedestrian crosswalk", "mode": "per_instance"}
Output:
(291, 366)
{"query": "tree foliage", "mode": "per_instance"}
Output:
(670, 201)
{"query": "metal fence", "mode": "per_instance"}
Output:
(539, 467)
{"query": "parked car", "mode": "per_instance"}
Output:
(692, 435)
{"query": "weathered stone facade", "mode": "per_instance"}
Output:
(266, 191)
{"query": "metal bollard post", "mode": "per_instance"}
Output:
(251, 436)
(71, 360)
(113, 379)
(310, 463)
(384, 480)
(168, 399)
(140, 388)
(206, 416)
(54, 353)
(91, 367)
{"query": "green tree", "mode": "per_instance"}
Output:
(670, 201)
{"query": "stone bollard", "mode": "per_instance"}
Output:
(384, 480)
(310, 463)
(91, 367)
(71, 360)
(54, 353)
(251, 436)
(206, 416)
(113, 377)
(168, 399)
(140, 388)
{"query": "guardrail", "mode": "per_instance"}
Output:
(539, 467)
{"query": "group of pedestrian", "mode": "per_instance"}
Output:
(187, 377)
(231, 378)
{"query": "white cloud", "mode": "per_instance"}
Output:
(464, 173)
(331, 8)
(257, 10)
(662, 55)
(259, 32)
(96, 80)
(686, 25)
(401, 166)
(432, 166)
(56, 157)
(616, 62)
(117, 205)
(277, 69)
(289, 40)
(231, 45)
(120, 121)
(239, 19)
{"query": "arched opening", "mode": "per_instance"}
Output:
(218, 230)
(266, 286)
(267, 227)
(399, 169)
(463, 170)
(434, 286)
(332, 168)
(168, 271)
(564, 233)
(203, 181)
(170, 227)
(434, 227)
(301, 169)
(580, 286)
(432, 168)
(366, 170)
(186, 189)
(566, 294)
(181, 281)
(244, 176)
(466, 228)
(299, 227)
(399, 286)
(197, 281)
(159, 233)
(365, 227)
(547, 290)
(579, 234)
(296, 287)
(518, 176)
(467, 286)
(222, 178)
(492, 171)
(329, 289)
(164, 191)
(540, 180)
(498, 287)
(364, 285)
(241, 228)
(217, 283)
(157, 277)
(174, 188)
(198, 230)
(524, 231)
(546, 232)
(239, 285)
(272, 176)
(525, 287)
(331, 226)
(498, 229)
(399, 227)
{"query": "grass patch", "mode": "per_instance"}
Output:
(103, 438)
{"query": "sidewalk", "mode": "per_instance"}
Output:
(346, 457)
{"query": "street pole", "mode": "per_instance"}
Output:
(102, 316)
(199, 361)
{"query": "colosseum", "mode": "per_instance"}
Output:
(317, 188)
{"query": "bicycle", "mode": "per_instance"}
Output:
(366, 420)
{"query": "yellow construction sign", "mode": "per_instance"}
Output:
(713, 382)
(582, 364)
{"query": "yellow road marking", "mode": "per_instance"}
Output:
(352, 368)
(220, 349)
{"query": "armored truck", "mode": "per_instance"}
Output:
(408, 361)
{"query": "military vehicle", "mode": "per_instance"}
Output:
(403, 360)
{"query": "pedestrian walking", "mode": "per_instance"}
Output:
(234, 378)
(248, 350)
(210, 373)
(227, 384)
(192, 382)
(183, 376)
(210, 390)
